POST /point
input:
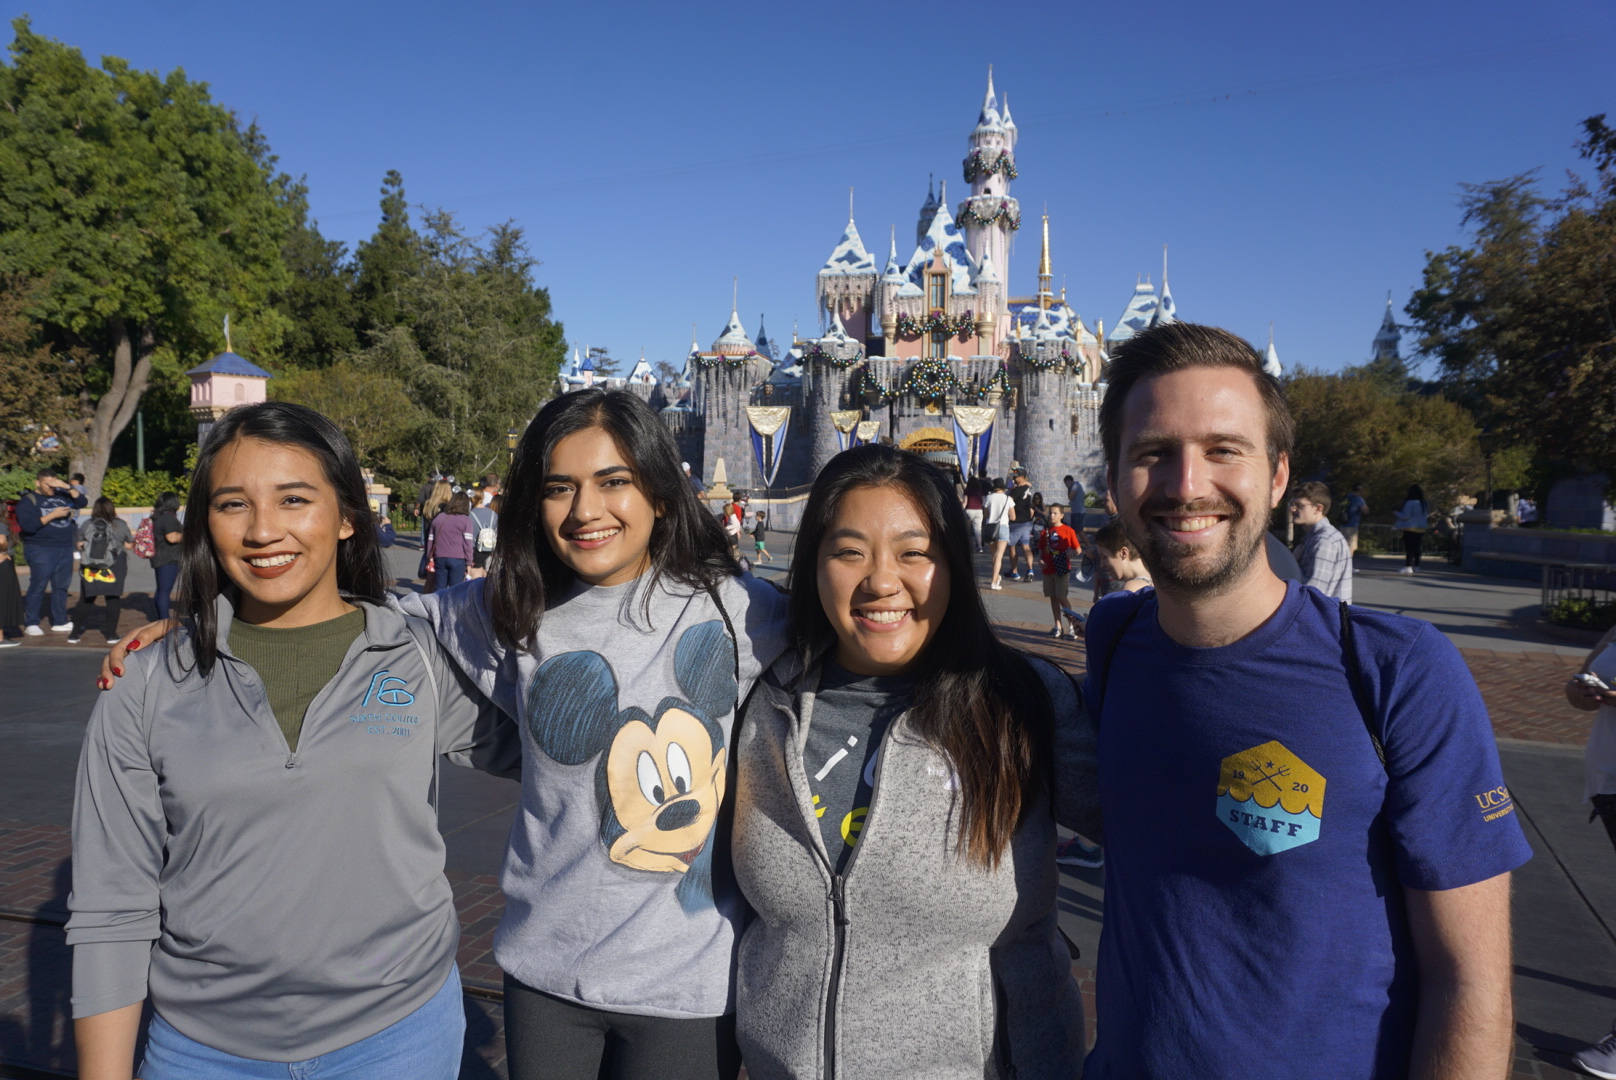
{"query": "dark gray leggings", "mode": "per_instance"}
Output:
(547, 1038)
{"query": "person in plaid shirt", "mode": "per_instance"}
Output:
(1325, 556)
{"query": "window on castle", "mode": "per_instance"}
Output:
(939, 290)
(938, 346)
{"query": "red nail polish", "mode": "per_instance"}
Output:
(133, 645)
(118, 671)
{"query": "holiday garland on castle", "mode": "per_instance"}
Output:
(909, 326)
(817, 353)
(985, 161)
(709, 360)
(1006, 211)
(932, 377)
(1044, 359)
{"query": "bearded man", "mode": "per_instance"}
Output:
(1308, 836)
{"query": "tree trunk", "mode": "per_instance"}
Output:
(131, 368)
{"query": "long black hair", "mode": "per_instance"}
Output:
(687, 543)
(976, 701)
(359, 557)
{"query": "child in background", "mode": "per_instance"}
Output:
(1057, 544)
(759, 534)
(1123, 569)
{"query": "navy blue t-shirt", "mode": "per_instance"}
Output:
(1257, 851)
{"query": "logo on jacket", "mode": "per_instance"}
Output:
(1270, 798)
(659, 777)
(388, 689)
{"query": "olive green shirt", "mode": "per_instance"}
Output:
(295, 662)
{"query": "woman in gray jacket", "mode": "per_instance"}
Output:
(900, 776)
(255, 843)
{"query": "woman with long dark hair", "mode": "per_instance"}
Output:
(615, 624)
(1414, 518)
(104, 543)
(255, 834)
(900, 775)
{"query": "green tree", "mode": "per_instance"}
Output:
(148, 212)
(41, 385)
(1523, 321)
(391, 257)
(318, 298)
(606, 365)
(371, 408)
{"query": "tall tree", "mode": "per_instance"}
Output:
(41, 385)
(318, 297)
(391, 257)
(146, 209)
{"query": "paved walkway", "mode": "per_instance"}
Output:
(1565, 898)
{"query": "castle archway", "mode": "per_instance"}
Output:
(935, 444)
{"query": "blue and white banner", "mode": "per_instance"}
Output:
(866, 432)
(973, 436)
(769, 424)
(845, 421)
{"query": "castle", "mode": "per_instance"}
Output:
(932, 353)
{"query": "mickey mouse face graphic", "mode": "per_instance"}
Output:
(659, 776)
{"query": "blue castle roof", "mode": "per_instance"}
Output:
(228, 363)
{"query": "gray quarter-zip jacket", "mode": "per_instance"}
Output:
(273, 905)
(915, 962)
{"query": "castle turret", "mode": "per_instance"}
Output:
(845, 285)
(1389, 342)
(827, 367)
(990, 215)
(725, 378)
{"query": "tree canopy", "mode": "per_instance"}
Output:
(146, 212)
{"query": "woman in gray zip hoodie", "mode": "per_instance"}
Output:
(899, 781)
(255, 844)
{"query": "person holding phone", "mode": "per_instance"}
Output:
(1591, 690)
(45, 517)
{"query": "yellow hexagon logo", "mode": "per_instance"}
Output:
(1270, 798)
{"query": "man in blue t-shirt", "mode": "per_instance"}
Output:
(1356, 505)
(1279, 902)
(45, 519)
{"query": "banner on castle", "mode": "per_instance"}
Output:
(973, 435)
(844, 421)
(866, 432)
(769, 423)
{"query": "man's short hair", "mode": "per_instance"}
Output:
(998, 484)
(1314, 492)
(1179, 346)
(46, 471)
(1067, 478)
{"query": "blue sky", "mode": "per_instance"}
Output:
(1298, 158)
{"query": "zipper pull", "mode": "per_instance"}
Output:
(291, 760)
(838, 901)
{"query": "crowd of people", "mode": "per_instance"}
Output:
(813, 830)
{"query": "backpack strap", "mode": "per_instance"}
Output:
(1103, 669)
(1360, 693)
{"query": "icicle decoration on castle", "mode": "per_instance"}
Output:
(973, 436)
(769, 424)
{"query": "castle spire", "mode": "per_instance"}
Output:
(1166, 310)
(990, 110)
(1045, 271)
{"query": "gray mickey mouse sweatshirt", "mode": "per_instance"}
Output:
(618, 893)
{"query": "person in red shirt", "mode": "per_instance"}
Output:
(1058, 541)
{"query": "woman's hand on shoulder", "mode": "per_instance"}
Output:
(112, 663)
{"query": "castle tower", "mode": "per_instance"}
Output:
(827, 367)
(725, 378)
(845, 285)
(1389, 342)
(1044, 437)
(990, 215)
(1046, 275)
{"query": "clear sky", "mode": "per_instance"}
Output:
(1299, 158)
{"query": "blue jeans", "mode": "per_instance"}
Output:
(53, 566)
(166, 576)
(450, 572)
(425, 1045)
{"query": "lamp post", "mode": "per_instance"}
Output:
(1488, 441)
(511, 437)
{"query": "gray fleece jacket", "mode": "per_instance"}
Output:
(273, 905)
(914, 962)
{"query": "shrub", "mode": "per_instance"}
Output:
(1582, 613)
(126, 487)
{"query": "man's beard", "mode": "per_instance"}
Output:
(1196, 569)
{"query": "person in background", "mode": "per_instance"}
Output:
(1526, 511)
(485, 529)
(975, 492)
(103, 569)
(1119, 569)
(165, 561)
(1058, 545)
(1020, 525)
(450, 542)
(1599, 788)
(436, 501)
(45, 516)
(10, 595)
(423, 500)
(1357, 506)
(490, 488)
(694, 481)
(1414, 518)
(1324, 556)
(996, 528)
(760, 534)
